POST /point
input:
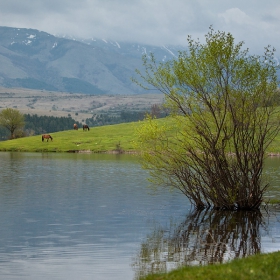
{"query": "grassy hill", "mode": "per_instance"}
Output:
(110, 138)
(98, 139)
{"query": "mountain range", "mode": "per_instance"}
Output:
(34, 59)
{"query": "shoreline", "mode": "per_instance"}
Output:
(273, 154)
(269, 154)
(101, 152)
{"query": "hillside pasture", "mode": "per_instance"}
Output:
(111, 138)
(108, 138)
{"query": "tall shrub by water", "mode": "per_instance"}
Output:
(212, 146)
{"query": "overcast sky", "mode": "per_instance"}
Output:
(157, 22)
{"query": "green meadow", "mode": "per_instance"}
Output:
(108, 138)
(101, 139)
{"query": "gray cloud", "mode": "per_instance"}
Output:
(149, 21)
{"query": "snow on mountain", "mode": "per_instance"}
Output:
(35, 59)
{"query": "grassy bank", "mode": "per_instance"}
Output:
(118, 137)
(263, 266)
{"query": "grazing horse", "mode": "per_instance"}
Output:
(46, 136)
(85, 127)
(76, 126)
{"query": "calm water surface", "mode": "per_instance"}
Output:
(86, 216)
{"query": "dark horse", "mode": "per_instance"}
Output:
(46, 136)
(75, 126)
(85, 127)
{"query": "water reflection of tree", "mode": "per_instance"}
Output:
(205, 237)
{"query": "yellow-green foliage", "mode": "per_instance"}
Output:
(154, 139)
(152, 135)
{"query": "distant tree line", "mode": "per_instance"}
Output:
(4, 133)
(35, 124)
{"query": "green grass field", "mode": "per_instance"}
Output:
(97, 139)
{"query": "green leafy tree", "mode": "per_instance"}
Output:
(212, 146)
(11, 119)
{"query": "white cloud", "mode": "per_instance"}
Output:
(235, 16)
(159, 22)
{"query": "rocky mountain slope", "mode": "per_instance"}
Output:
(37, 60)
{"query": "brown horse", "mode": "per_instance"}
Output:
(75, 126)
(85, 127)
(46, 136)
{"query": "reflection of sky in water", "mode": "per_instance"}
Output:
(270, 237)
(75, 262)
(69, 216)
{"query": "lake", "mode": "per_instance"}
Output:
(93, 216)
